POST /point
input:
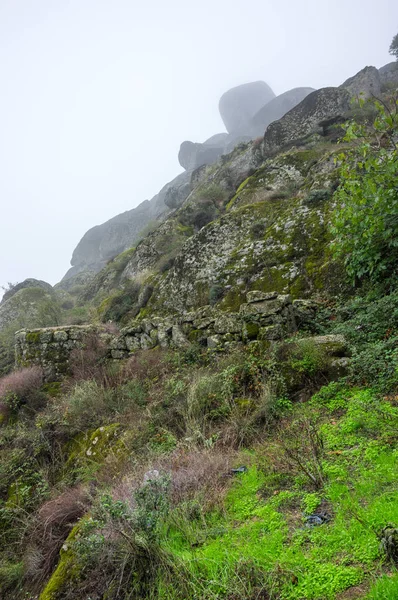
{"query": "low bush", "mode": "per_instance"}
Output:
(124, 303)
(91, 363)
(21, 383)
(21, 387)
(370, 324)
(90, 405)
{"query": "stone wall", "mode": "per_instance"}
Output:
(51, 347)
(264, 316)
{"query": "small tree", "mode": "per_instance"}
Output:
(394, 46)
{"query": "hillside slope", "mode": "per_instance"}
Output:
(225, 424)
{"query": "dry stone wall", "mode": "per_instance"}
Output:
(264, 316)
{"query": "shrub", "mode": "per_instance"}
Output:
(197, 474)
(90, 405)
(123, 303)
(365, 221)
(90, 363)
(21, 387)
(11, 575)
(147, 366)
(21, 382)
(370, 324)
(308, 357)
(205, 208)
(302, 446)
(257, 230)
(317, 197)
(118, 549)
(216, 292)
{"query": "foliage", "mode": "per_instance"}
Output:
(21, 387)
(162, 515)
(307, 357)
(394, 46)
(123, 302)
(365, 221)
(370, 324)
(90, 405)
(204, 208)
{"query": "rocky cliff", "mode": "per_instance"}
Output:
(206, 222)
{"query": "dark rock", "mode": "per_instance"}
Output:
(317, 519)
(276, 108)
(305, 118)
(239, 470)
(389, 542)
(239, 104)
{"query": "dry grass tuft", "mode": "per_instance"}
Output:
(52, 525)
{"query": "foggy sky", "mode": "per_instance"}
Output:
(97, 95)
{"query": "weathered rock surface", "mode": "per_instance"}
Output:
(193, 155)
(104, 242)
(239, 104)
(51, 348)
(31, 303)
(389, 74)
(364, 84)
(27, 305)
(276, 108)
(27, 283)
(305, 118)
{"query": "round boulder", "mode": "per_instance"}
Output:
(239, 104)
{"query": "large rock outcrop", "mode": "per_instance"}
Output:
(306, 117)
(365, 84)
(193, 155)
(277, 108)
(27, 283)
(389, 75)
(103, 242)
(239, 104)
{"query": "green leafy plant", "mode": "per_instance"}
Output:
(365, 221)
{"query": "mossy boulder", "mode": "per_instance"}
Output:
(67, 570)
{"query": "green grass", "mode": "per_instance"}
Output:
(269, 533)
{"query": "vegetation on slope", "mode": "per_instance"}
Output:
(264, 472)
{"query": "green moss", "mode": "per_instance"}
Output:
(52, 389)
(88, 451)
(33, 337)
(67, 570)
(302, 160)
(195, 335)
(186, 230)
(232, 300)
(250, 331)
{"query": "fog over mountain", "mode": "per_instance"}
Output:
(97, 97)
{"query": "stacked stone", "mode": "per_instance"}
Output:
(50, 348)
(267, 316)
(264, 316)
